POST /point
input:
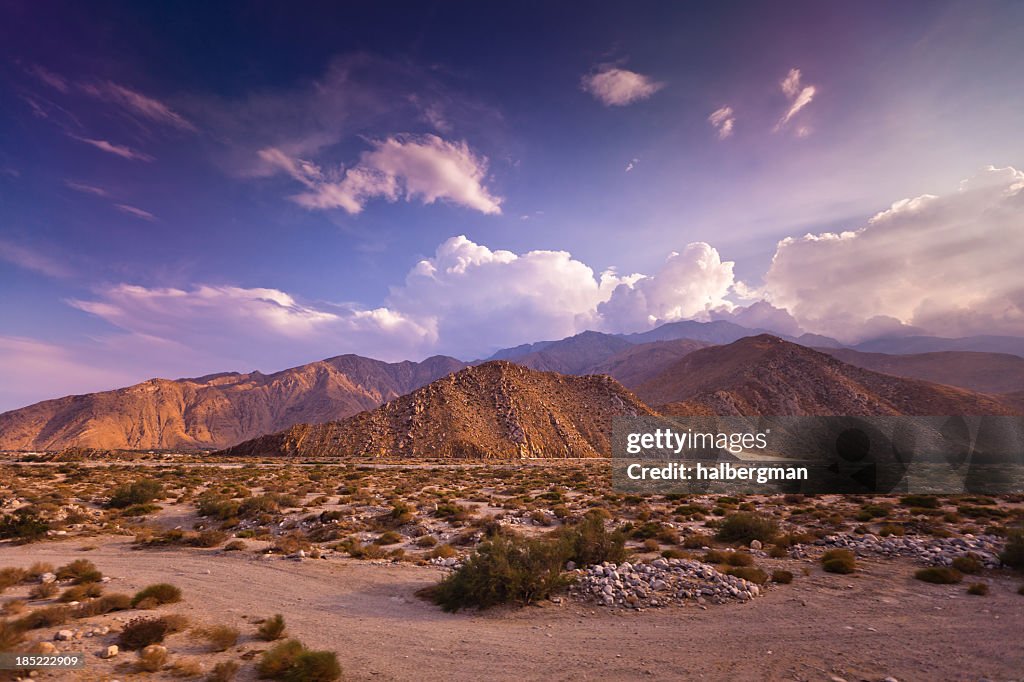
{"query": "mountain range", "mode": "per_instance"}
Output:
(681, 368)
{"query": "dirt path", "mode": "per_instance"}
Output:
(880, 622)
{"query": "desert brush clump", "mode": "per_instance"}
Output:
(11, 635)
(939, 575)
(139, 633)
(218, 637)
(79, 571)
(747, 526)
(978, 589)
(291, 661)
(224, 671)
(1013, 554)
(588, 542)
(156, 595)
(839, 561)
(152, 658)
(505, 569)
(137, 493)
(272, 628)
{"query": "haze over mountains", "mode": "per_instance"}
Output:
(682, 368)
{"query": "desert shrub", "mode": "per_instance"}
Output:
(224, 671)
(651, 545)
(444, 551)
(891, 529)
(388, 538)
(1020, 590)
(839, 561)
(967, 564)
(920, 501)
(80, 571)
(739, 559)
(186, 667)
(13, 607)
(24, 525)
(588, 542)
(219, 637)
(314, 666)
(426, 541)
(751, 573)
(44, 618)
(137, 492)
(218, 506)
(11, 635)
(782, 577)
(176, 622)
(139, 633)
(940, 575)
(1013, 554)
(158, 593)
(105, 604)
(715, 556)
(978, 589)
(43, 591)
(11, 576)
(452, 512)
(274, 663)
(697, 541)
(80, 592)
(234, 546)
(777, 552)
(746, 526)
(272, 628)
(152, 658)
(206, 538)
(36, 570)
(507, 568)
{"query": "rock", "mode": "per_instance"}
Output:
(64, 635)
(755, 544)
(110, 651)
(570, 565)
(44, 648)
(47, 578)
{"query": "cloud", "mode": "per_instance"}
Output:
(722, 120)
(116, 149)
(55, 81)
(134, 211)
(424, 167)
(86, 188)
(947, 264)
(632, 164)
(30, 259)
(761, 315)
(137, 104)
(689, 285)
(799, 96)
(613, 86)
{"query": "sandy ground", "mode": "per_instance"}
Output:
(877, 623)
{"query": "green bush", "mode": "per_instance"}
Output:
(782, 577)
(160, 593)
(24, 525)
(141, 632)
(272, 628)
(746, 526)
(1013, 554)
(967, 564)
(138, 492)
(79, 571)
(588, 542)
(839, 561)
(507, 568)
(940, 575)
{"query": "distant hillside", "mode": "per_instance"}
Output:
(634, 365)
(765, 375)
(982, 372)
(496, 409)
(574, 355)
(216, 410)
(935, 344)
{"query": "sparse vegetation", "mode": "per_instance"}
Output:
(839, 561)
(746, 526)
(272, 628)
(156, 595)
(219, 637)
(978, 589)
(138, 492)
(141, 632)
(940, 575)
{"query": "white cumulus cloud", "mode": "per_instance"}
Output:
(949, 265)
(424, 167)
(613, 86)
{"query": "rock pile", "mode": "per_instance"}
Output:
(659, 583)
(928, 550)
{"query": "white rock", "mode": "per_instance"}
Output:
(64, 635)
(110, 651)
(755, 544)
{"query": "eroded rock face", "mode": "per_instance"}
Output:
(496, 409)
(217, 410)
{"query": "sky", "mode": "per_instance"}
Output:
(253, 185)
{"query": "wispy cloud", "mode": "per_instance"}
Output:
(116, 149)
(723, 120)
(55, 81)
(31, 259)
(799, 96)
(86, 189)
(424, 167)
(632, 164)
(135, 211)
(137, 104)
(613, 86)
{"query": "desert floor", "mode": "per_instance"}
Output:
(879, 622)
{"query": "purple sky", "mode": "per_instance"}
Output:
(253, 187)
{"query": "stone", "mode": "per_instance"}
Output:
(755, 544)
(44, 648)
(110, 651)
(64, 635)
(47, 578)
